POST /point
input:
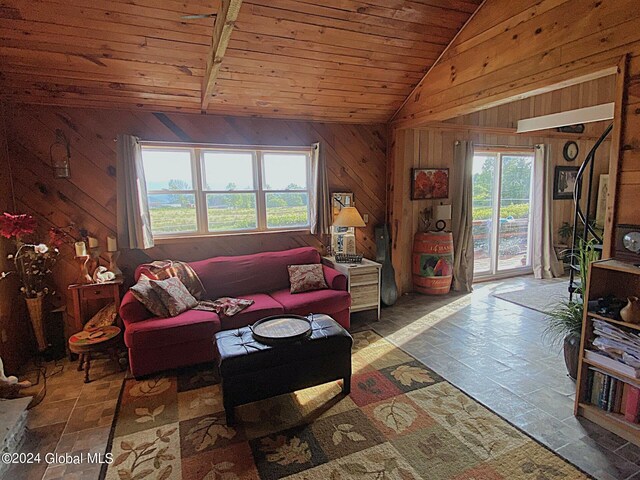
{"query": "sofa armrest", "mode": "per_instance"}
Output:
(335, 279)
(131, 310)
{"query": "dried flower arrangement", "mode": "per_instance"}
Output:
(32, 261)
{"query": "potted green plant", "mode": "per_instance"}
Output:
(564, 326)
(564, 320)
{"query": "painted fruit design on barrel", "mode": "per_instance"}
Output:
(432, 262)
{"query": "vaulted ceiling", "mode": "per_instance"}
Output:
(332, 60)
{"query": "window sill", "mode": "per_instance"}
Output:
(196, 238)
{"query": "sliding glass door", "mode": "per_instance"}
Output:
(502, 212)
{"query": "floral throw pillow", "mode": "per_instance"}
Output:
(174, 295)
(144, 293)
(304, 278)
(105, 317)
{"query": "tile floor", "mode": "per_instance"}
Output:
(494, 351)
(73, 418)
(490, 348)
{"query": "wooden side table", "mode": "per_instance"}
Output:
(83, 294)
(101, 339)
(363, 283)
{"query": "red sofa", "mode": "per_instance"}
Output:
(157, 344)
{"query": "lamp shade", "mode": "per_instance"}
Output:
(349, 217)
(443, 212)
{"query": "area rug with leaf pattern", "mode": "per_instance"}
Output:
(401, 421)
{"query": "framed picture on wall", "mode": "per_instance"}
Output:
(428, 183)
(564, 182)
(340, 200)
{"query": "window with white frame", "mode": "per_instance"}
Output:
(209, 190)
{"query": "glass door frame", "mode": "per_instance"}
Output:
(494, 271)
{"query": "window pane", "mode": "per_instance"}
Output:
(231, 211)
(285, 171)
(172, 213)
(228, 171)
(515, 194)
(287, 209)
(167, 169)
(484, 166)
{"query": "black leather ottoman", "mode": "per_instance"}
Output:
(252, 371)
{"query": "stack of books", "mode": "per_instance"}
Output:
(613, 395)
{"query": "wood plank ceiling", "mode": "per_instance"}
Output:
(336, 60)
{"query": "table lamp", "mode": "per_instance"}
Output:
(348, 217)
(442, 214)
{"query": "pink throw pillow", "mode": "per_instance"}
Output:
(304, 278)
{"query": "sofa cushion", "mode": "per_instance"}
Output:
(305, 278)
(190, 326)
(246, 274)
(317, 301)
(263, 306)
(163, 269)
(145, 294)
(174, 295)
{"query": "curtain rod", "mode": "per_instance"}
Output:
(224, 145)
(514, 147)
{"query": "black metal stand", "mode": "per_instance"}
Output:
(580, 216)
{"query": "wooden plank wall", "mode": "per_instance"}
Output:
(356, 160)
(512, 48)
(433, 147)
(13, 317)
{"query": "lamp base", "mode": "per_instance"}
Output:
(349, 244)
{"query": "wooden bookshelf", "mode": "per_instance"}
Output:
(614, 422)
(617, 266)
(620, 376)
(606, 277)
(634, 326)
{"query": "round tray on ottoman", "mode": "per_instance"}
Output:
(280, 329)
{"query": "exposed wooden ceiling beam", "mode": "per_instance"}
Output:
(596, 113)
(505, 131)
(222, 29)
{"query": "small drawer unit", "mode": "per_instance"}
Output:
(87, 300)
(363, 283)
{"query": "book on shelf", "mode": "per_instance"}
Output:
(613, 395)
(632, 407)
(612, 364)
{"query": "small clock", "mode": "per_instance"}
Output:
(570, 151)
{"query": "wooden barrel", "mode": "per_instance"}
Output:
(432, 262)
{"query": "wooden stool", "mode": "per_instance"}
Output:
(102, 339)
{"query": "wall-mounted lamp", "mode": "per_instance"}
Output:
(442, 214)
(436, 217)
(60, 154)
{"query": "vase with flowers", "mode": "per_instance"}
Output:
(33, 263)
